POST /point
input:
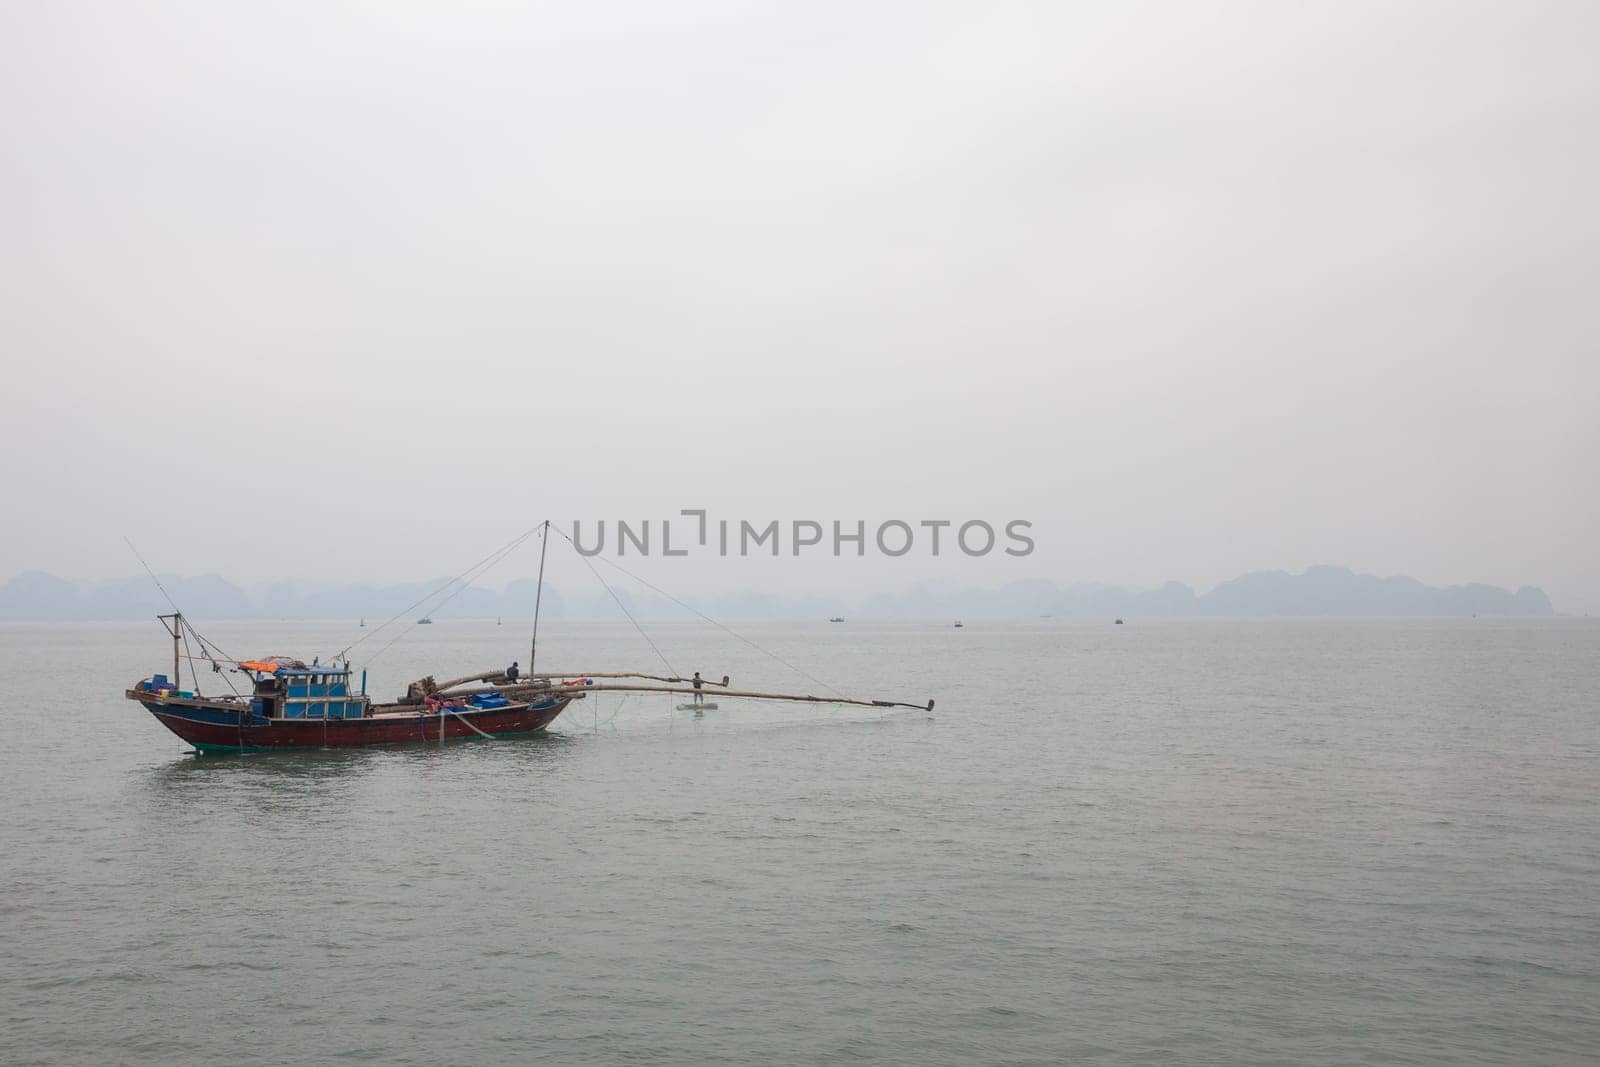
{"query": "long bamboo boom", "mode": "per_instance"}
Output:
(748, 694)
(533, 679)
(536, 688)
(481, 676)
(628, 674)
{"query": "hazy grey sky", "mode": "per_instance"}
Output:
(360, 291)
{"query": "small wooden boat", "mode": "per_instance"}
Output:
(958, 624)
(291, 704)
(424, 621)
(837, 618)
(295, 705)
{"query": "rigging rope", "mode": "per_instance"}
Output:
(670, 668)
(477, 570)
(469, 725)
(726, 629)
(186, 655)
(206, 646)
(206, 649)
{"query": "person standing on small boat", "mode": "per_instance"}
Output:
(698, 697)
(512, 672)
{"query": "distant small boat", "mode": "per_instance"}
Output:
(424, 621)
(1119, 622)
(958, 624)
(837, 618)
(363, 623)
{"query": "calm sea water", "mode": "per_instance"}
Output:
(1278, 841)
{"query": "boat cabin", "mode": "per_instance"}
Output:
(292, 690)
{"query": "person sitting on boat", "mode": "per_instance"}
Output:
(511, 672)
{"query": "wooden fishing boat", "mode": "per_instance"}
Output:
(291, 704)
(295, 705)
(228, 724)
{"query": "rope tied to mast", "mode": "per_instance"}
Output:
(696, 612)
(659, 654)
(477, 570)
(207, 647)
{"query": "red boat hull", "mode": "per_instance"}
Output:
(213, 727)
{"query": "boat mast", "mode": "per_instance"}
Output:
(538, 597)
(174, 625)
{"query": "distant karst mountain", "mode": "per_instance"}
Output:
(1340, 591)
(1320, 591)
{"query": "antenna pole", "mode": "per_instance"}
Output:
(538, 598)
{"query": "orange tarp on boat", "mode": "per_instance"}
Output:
(259, 665)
